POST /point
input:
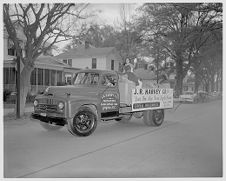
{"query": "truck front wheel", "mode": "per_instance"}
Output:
(84, 122)
(153, 117)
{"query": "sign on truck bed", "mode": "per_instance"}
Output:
(151, 98)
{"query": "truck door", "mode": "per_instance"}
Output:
(109, 95)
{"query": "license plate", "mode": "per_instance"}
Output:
(43, 114)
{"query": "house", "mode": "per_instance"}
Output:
(47, 70)
(86, 56)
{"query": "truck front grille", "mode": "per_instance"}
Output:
(47, 107)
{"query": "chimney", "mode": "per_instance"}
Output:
(86, 44)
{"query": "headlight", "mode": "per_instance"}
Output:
(35, 103)
(61, 105)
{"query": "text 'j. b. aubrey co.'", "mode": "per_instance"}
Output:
(144, 99)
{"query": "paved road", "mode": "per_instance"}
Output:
(188, 144)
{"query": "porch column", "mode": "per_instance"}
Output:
(55, 77)
(43, 78)
(36, 80)
(49, 77)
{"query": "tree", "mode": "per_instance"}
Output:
(96, 35)
(208, 65)
(183, 27)
(127, 37)
(43, 26)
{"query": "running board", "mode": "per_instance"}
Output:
(111, 118)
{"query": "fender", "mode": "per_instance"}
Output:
(74, 106)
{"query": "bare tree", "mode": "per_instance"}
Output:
(43, 26)
(127, 36)
(184, 29)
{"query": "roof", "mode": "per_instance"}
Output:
(98, 71)
(81, 51)
(42, 59)
(50, 60)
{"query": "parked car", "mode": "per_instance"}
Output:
(202, 96)
(215, 94)
(188, 97)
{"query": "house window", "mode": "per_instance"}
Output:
(6, 73)
(11, 51)
(53, 73)
(68, 78)
(40, 76)
(33, 77)
(94, 63)
(47, 78)
(59, 77)
(9, 75)
(68, 61)
(112, 64)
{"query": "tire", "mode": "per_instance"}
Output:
(153, 117)
(84, 122)
(125, 119)
(50, 127)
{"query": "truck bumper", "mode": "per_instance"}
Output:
(48, 119)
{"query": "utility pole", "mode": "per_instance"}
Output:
(18, 87)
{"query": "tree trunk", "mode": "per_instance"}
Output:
(217, 82)
(197, 83)
(220, 78)
(24, 87)
(207, 86)
(212, 83)
(179, 76)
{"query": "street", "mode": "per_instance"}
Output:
(188, 144)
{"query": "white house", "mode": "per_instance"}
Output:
(86, 56)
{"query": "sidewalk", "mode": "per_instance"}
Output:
(10, 111)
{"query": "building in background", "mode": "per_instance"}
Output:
(47, 72)
(86, 56)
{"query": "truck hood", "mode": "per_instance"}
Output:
(62, 91)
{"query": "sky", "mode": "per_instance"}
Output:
(110, 13)
(105, 13)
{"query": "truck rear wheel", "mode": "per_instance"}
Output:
(153, 117)
(84, 122)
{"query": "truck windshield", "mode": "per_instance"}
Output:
(86, 78)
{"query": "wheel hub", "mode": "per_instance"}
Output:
(158, 115)
(83, 122)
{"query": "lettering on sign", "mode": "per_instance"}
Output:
(155, 98)
(109, 102)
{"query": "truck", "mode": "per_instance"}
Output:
(100, 95)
